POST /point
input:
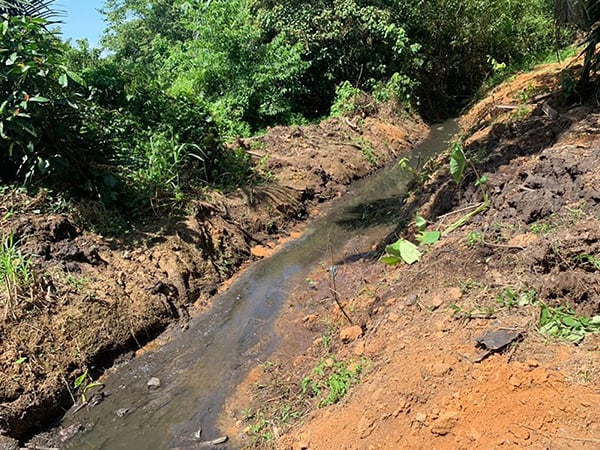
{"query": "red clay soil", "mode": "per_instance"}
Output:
(414, 374)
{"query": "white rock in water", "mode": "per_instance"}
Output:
(153, 383)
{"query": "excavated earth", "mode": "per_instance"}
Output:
(406, 360)
(95, 300)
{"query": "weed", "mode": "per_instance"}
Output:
(15, 271)
(78, 284)
(574, 215)
(592, 261)
(474, 238)
(563, 323)
(510, 298)
(542, 227)
(458, 164)
(520, 113)
(478, 312)
(15, 268)
(330, 380)
(84, 384)
(367, 150)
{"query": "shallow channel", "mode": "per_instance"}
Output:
(200, 367)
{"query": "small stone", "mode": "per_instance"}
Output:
(393, 317)
(436, 302)
(420, 417)
(391, 301)
(310, 318)
(411, 300)
(122, 412)
(454, 294)
(153, 383)
(445, 423)
(532, 363)
(350, 334)
(197, 434)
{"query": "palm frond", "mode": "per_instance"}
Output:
(28, 8)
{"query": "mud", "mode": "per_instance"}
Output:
(95, 299)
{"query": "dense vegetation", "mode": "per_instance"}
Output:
(145, 116)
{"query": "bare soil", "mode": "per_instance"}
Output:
(415, 377)
(95, 300)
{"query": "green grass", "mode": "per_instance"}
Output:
(330, 380)
(15, 267)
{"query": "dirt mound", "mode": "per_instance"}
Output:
(410, 360)
(93, 299)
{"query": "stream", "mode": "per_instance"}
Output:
(199, 368)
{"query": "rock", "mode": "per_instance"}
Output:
(122, 412)
(66, 434)
(153, 383)
(350, 334)
(310, 318)
(445, 423)
(393, 317)
(436, 301)
(420, 418)
(454, 294)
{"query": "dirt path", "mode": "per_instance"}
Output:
(94, 300)
(407, 373)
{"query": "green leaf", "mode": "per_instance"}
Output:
(39, 99)
(458, 162)
(429, 237)
(420, 222)
(391, 260)
(21, 360)
(80, 379)
(63, 80)
(408, 251)
(11, 59)
(571, 322)
(76, 78)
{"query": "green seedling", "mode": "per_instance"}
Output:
(458, 164)
(333, 378)
(592, 261)
(562, 323)
(401, 250)
(84, 384)
(474, 238)
(542, 228)
(510, 298)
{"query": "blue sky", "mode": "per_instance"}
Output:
(81, 19)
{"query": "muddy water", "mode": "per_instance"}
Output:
(199, 368)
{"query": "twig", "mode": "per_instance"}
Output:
(489, 244)
(466, 218)
(466, 208)
(333, 286)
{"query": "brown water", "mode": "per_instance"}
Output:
(200, 367)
